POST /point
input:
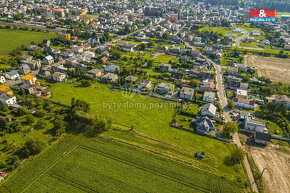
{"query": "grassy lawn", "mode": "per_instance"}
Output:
(57, 47)
(252, 45)
(248, 28)
(15, 38)
(78, 164)
(274, 127)
(136, 54)
(150, 116)
(222, 30)
(131, 42)
(165, 59)
(184, 121)
(279, 14)
(191, 109)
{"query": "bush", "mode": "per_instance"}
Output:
(237, 156)
(31, 147)
(229, 129)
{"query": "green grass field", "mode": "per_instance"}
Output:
(279, 14)
(150, 116)
(222, 30)
(15, 38)
(79, 164)
(165, 59)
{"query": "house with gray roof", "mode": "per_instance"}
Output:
(186, 93)
(8, 99)
(12, 75)
(112, 68)
(208, 97)
(204, 125)
(165, 88)
(208, 110)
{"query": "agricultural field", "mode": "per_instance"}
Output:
(149, 116)
(79, 164)
(277, 69)
(15, 38)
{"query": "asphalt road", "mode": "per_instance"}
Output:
(245, 33)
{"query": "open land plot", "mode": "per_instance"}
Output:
(222, 30)
(276, 175)
(11, 39)
(166, 59)
(279, 14)
(79, 164)
(150, 116)
(277, 69)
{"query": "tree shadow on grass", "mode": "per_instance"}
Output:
(228, 161)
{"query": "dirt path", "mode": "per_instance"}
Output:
(277, 69)
(277, 173)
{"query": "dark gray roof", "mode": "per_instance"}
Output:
(204, 124)
(263, 136)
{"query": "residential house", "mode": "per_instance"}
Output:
(253, 125)
(24, 69)
(110, 78)
(5, 89)
(29, 79)
(131, 78)
(58, 67)
(165, 88)
(244, 103)
(195, 53)
(208, 97)
(112, 68)
(262, 138)
(104, 60)
(283, 99)
(186, 93)
(242, 94)
(77, 49)
(26, 58)
(8, 99)
(87, 46)
(233, 70)
(89, 54)
(243, 115)
(44, 74)
(48, 60)
(255, 33)
(12, 75)
(28, 88)
(34, 64)
(165, 67)
(129, 48)
(95, 73)
(204, 125)
(207, 86)
(208, 110)
(59, 77)
(2, 79)
(46, 43)
(144, 84)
